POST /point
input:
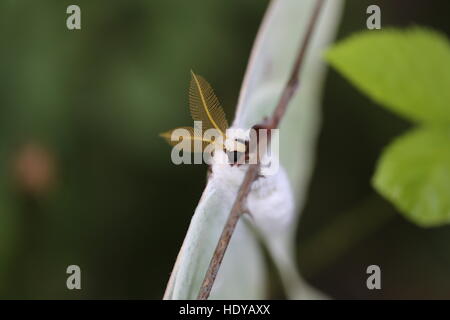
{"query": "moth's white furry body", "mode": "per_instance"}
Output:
(270, 201)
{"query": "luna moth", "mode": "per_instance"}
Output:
(243, 272)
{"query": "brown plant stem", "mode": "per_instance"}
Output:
(239, 206)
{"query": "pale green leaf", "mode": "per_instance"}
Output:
(245, 280)
(407, 71)
(414, 173)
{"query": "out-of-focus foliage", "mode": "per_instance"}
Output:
(408, 72)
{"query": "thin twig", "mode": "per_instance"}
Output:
(227, 232)
(239, 206)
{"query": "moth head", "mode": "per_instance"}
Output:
(235, 149)
(235, 145)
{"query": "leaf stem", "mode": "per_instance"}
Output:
(239, 206)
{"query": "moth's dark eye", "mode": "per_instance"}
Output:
(234, 156)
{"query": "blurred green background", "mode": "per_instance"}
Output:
(87, 181)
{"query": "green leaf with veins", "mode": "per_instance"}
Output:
(407, 72)
(414, 173)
